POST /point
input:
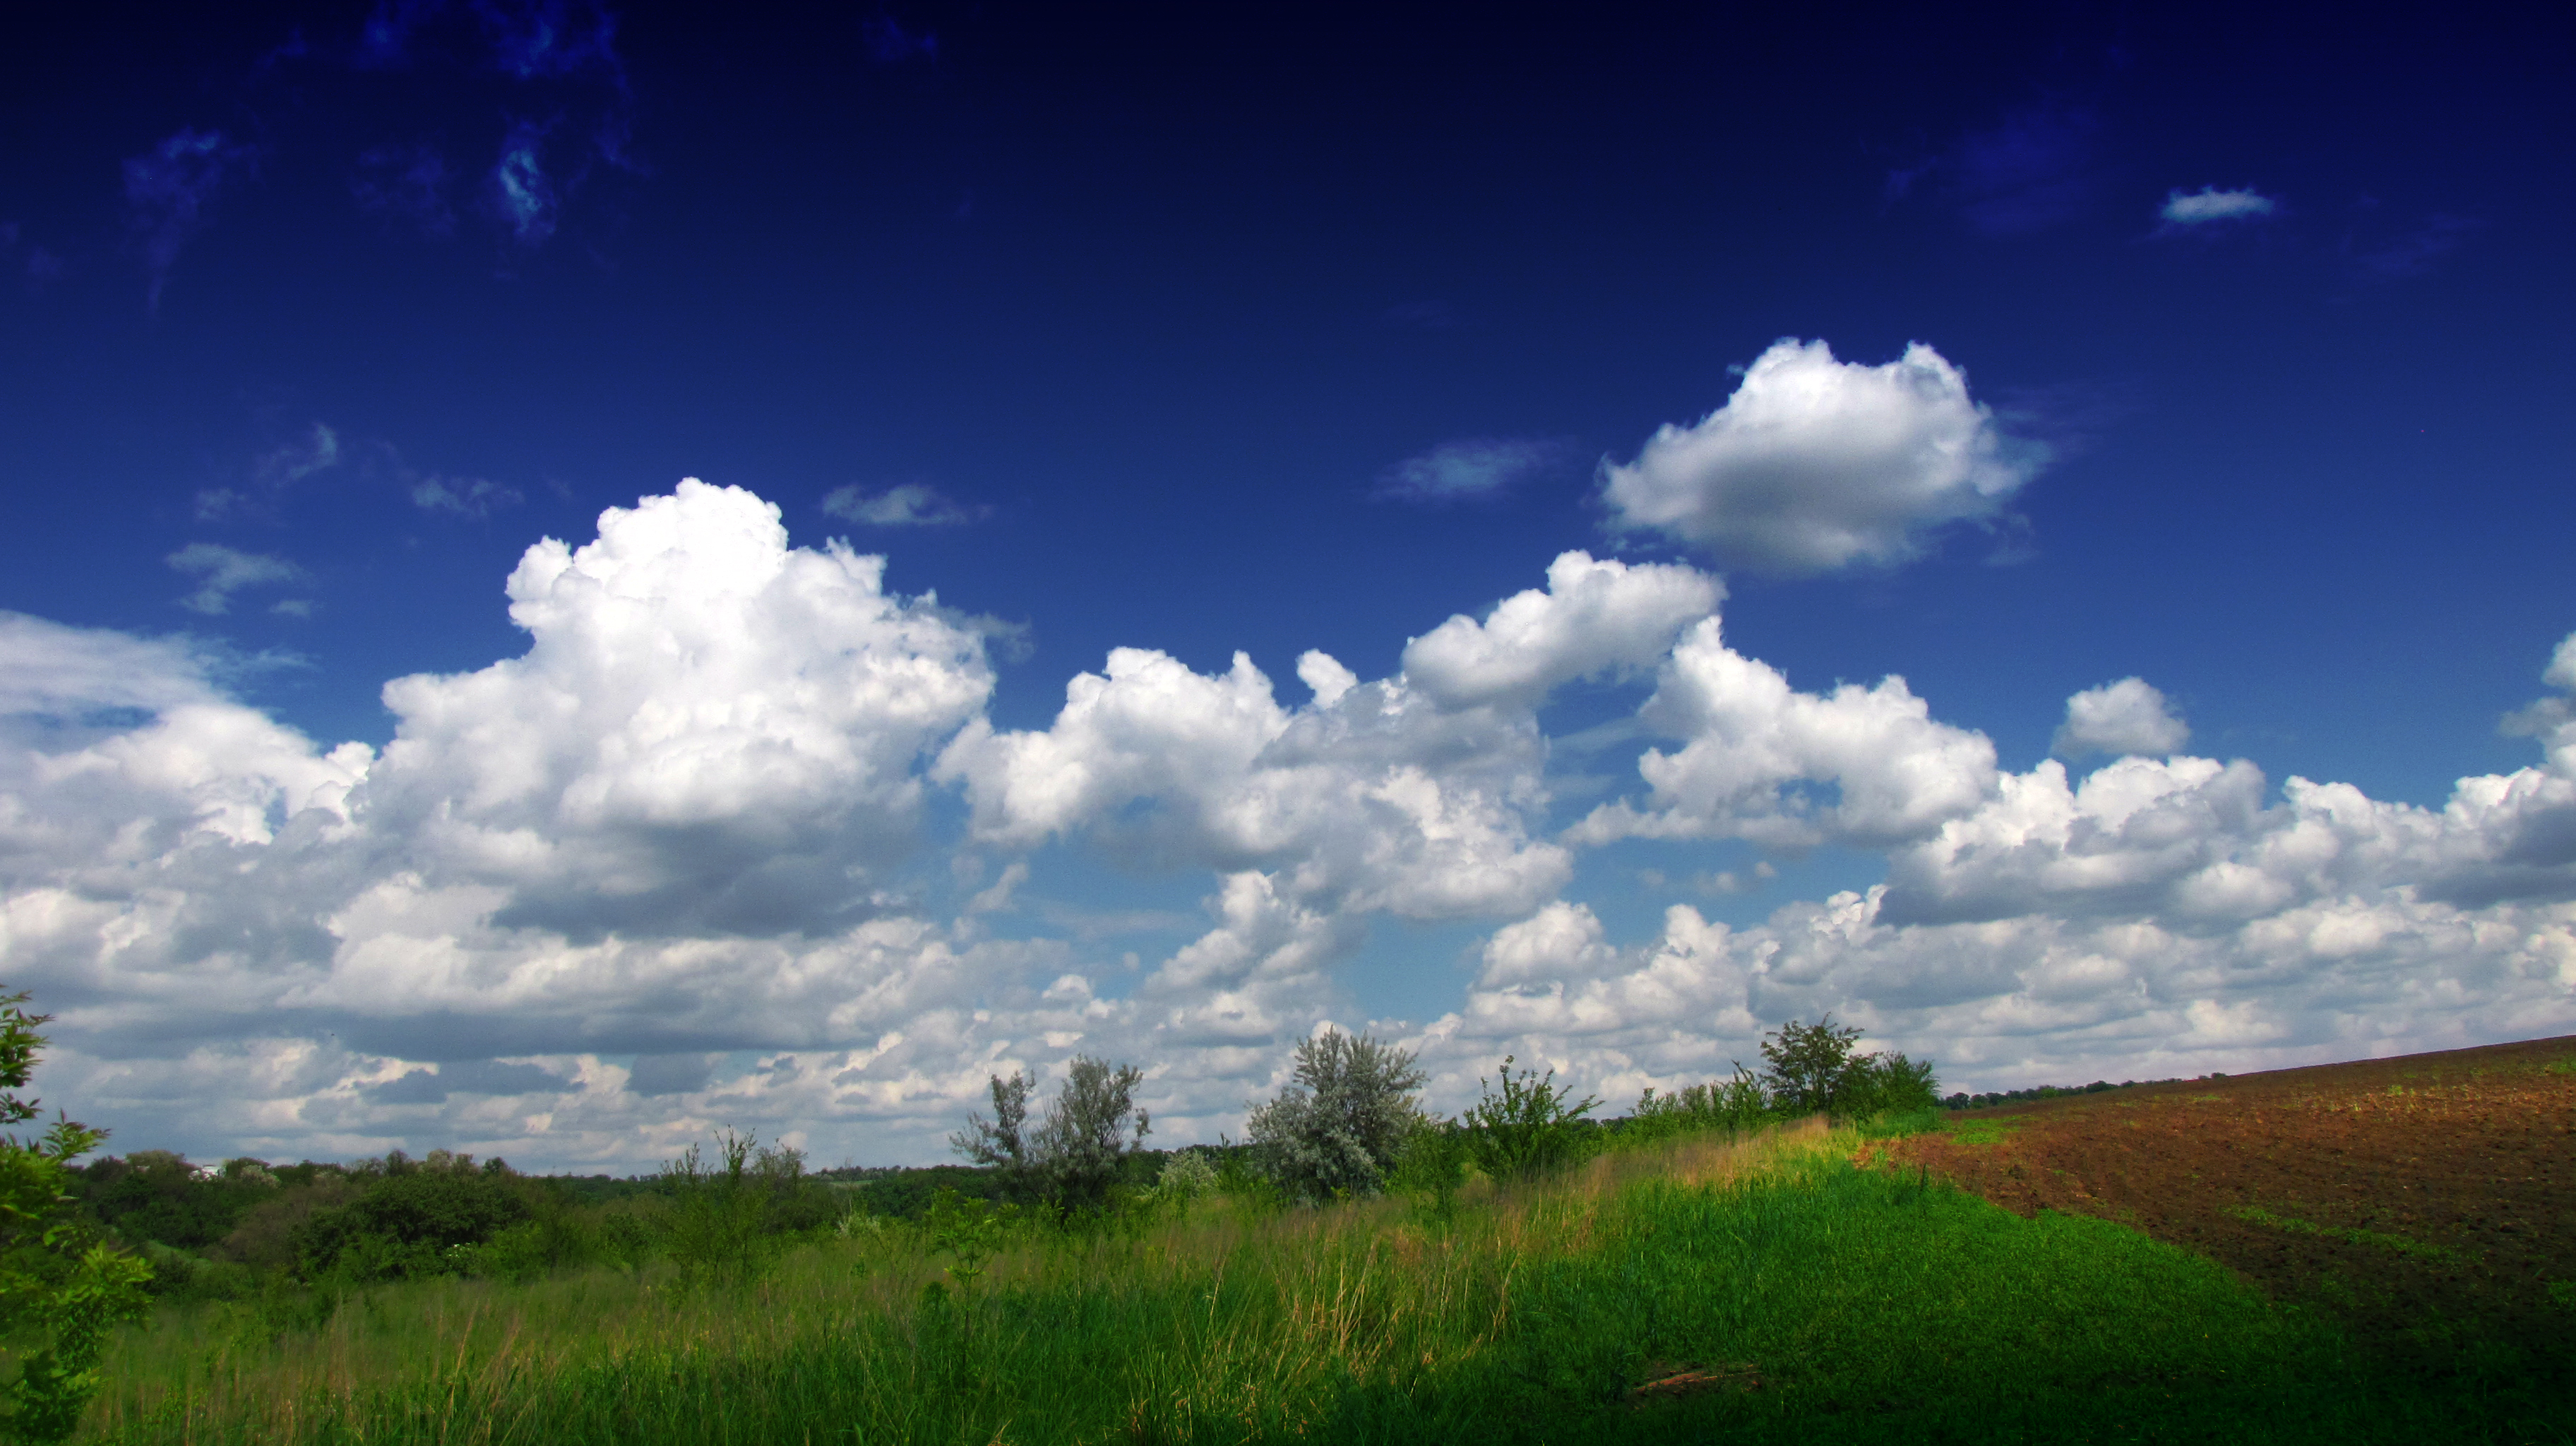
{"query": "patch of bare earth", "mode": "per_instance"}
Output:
(2420, 1198)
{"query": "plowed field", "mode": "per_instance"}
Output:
(2427, 1200)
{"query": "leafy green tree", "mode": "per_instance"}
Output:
(1812, 1068)
(1078, 1151)
(1341, 1124)
(416, 1218)
(61, 1289)
(1806, 1064)
(1526, 1127)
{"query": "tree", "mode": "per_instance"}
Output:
(996, 1141)
(1075, 1154)
(1342, 1123)
(59, 1284)
(1812, 1067)
(1807, 1063)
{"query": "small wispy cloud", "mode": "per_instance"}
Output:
(2412, 253)
(1470, 469)
(2210, 206)
(272, 473)
(221, 571)
(463, 496)
(2035, 168)
(406, 183)
(913, 504)
(522, 195)
(170, 194)
(890, 44)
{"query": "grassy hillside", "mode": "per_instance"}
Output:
(1701, 1287)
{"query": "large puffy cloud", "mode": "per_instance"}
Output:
(1765, 762)
(1816, 464)
(672, 826)
(1413, 794)
(651, 877)
(709, 728)
(1595, 617)
(2164, 916)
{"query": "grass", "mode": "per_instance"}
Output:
(2373, 1239)
(1705, 1288)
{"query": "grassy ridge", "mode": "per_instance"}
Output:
(1764, 1291)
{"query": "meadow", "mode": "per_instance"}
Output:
(1799, 1283)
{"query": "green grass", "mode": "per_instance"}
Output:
(1808, 1301)
(2373, 1239)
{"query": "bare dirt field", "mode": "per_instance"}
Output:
(2427, 1200)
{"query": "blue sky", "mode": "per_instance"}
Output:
(1613, 405)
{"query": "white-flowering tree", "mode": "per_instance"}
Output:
(1343, 1120)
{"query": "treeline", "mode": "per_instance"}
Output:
(1350, 1124)
(2052, 1092)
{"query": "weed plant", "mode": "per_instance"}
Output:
(1702, 1287)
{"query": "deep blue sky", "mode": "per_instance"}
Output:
(1158, 297)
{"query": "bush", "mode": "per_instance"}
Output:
(1431, 1169)
(414, 1220)
(718, 1230)
(1812, 1069)
(1070, 1161)
(1737, 1104)
(1339, 1126)
(1525, 1128)
(62, 1290)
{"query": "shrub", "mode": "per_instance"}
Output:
(1432, 1168)
(1524, 1128)
(1340, 1124)
(1078, 1151)
(413, 1220)
(62, 1290)
(1739, 1103)
(719, 1223)
(1812, 1068)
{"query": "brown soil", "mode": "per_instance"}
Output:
(2424, 1198)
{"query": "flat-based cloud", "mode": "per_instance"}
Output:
(684, 862)
(1815, 464)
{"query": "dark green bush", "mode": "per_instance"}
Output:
(412, 1221)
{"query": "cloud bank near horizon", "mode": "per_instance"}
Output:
(721, 848)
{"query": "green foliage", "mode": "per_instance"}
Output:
(719, 1229)
(1078, 1152)
(1735, 1104)
(415, 1218)
(969, 1231)
(1805, 1302)
(1339, 1125)
(62, 1290)
(1806, 1063)
(1524, 1128)
(1431, 1171)
(1811, 1069)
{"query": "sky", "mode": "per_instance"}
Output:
(577, 575)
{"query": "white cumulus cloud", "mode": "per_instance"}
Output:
(2129, 716)
(1816, 464)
